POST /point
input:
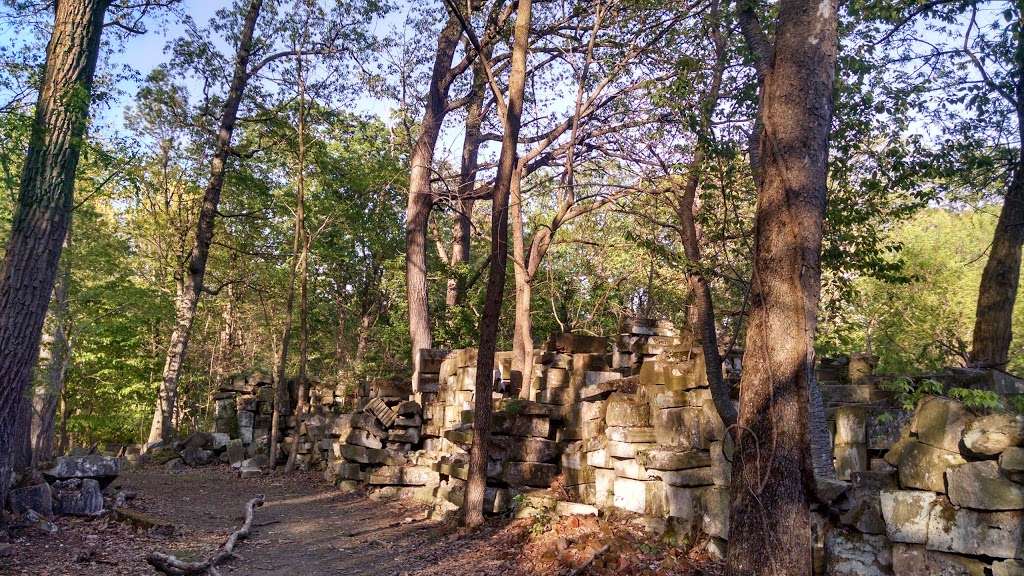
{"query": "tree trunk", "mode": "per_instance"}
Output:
(522, 340)
(476, 485)
(43, 211)
(47, 396)
(162, 430)
(993, 324)
(421, 199)
(461, 232)
(772, 472)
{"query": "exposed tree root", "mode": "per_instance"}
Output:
(172, 566)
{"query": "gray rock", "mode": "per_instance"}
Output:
(235, 451)
(1012, 459)
(850, 553)
(78, 497)
(219, 441)
(101, 468)
(923, 467)
(964, 531)
(885, 428)
(994, 433)
(1008, 568)
(906, 514)
(195, 456)
(38, 498)
(978, 485)
(196, 440)
(176, 466)
(862, 509)
(916, 560)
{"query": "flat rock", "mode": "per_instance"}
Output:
(979, 485)
(916, 560)
(996, 534)
(101, 468)
(623, 434)
(906, 514)
(529, 474)
(623, 410)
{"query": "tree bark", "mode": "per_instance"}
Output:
(43, 210)
(461, 231)
(185, 312)
(421, 199)
(476, 484)
(772, 471)
(47, 396)
(997, 294)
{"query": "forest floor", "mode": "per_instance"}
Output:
(309, 528)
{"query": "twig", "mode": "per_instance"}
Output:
(171, 565)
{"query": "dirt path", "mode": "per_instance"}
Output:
(306, 528)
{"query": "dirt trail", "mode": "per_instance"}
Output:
(306, 528)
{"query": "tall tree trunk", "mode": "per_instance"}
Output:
(185, 312)
(475, 487)
(461, 231)
(421, 199)
(993, 324)
(770, 529)
(47, 396)
(43, 211)
(522, 340)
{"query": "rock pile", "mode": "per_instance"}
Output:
(73, 486)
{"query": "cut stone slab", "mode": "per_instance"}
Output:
(629, 469)
(360, 437)
(940, 422)
(77, 497)
(850, 553)
(851, 425)
(520, 425)
(992, 434)
(906, 514)
(627, 449)
(623, 410)
(404, 476)
(684, 503)
(102, 468)
(923, 466)
(665, 459)
(884, 428)
(916, 560)
(533, 474)
(604, 389)
(235, 451)
(680, 427)
(714, 507)
(691, 477)
(364, 455)
(641, 497)
(850, 459)
(996, 534)
(523, 449)
(978, 485)
(219, 441)
(38, 498)
(621, 434)
(563, 508)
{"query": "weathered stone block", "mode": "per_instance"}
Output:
(622, 434)
(653, 371)
(1012, 459)
(642, 497)
(994, 433)
(629, 469)
(666, 459)
(911, 560)
(978, 485)
(604, 487)
(520, 425)
(684, 503)
(851, 425)
(77, 496)
(102, 468)
(924, 467)
(627, 449)
(680, 427)
(529, 474)
(364, 455)
(885, 428)
(523, 449)
(38, 497)
(360, 437)
(996, 534)
(849, 459)
(906, 514)
(599, 459)
(624, 410)
(558, 395)
(850, 553)
(404, 476)
(689, 477)
(714, 507)
(1008, 568)
(940, 422)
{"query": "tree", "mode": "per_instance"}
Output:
(773, 475)
(163, 417)
(513, 111)
(43, 210)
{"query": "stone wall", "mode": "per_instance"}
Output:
(628, 424)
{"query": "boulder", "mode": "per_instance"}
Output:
(992, 434)
(978, 485)
(916, 560)
(219, 441)
(907, 514)
(101, 468)
(850, 553)
(940, 422)
(196, 440)
(195, 456)
(924, 467)
(176, 466)
(964, 531)
(78, 497)
(38, 497)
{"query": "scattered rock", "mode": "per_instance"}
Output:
(101, 468)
